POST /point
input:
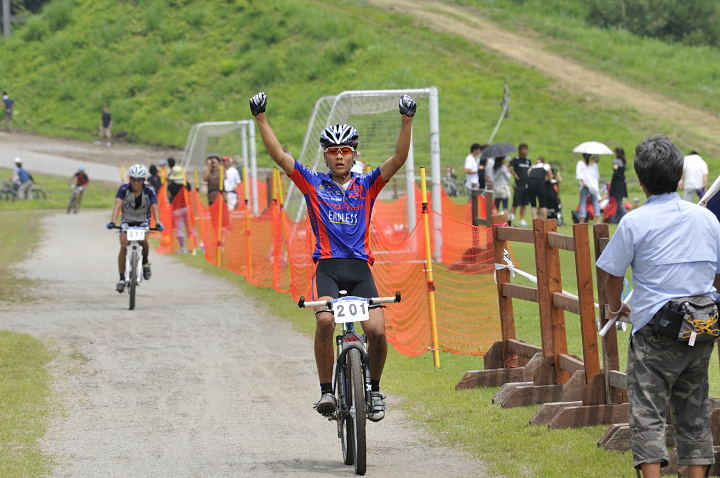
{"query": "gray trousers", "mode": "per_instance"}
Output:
(24, 190)
(662, 371)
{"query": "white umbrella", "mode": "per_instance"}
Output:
(592, 147)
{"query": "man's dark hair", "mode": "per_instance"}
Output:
(693, 152)
(523, 145)
(658, 164)
(4, 92)
(171, 162)
(475, 147)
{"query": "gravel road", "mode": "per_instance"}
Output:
(198, 381)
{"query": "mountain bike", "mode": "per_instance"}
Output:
(75, 198)
(351, 384)
(133, 269)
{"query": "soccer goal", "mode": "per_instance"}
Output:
(375, 115)
(224, 138)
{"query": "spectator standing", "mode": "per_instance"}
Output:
(154, 179)
(8, 104)
(483, 170)
(176, 197)
(588, 176)
(471, 167)
(22, 179)
(618, 186)
(672, 247)
(500, 177)
(105, 129)
(520, 167)
(695, 177)
(211, 176)
(232, 181)
(538, 174)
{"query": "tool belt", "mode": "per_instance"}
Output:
(688, 319)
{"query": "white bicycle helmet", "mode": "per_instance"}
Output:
(339, 135)
(138, 171)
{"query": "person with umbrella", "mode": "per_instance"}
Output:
(588, 176)
(471, 167)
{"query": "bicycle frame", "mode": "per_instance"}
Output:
(133, 246)
(345, 342)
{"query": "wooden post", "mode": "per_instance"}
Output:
(502, 276)
(586, 296)
(552, 319)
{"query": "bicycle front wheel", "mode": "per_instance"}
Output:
(72, 204)
(358, 408)
(133, 278)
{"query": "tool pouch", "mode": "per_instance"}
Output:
(688, 319)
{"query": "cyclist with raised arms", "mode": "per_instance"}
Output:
(136, 201)
(339, 205)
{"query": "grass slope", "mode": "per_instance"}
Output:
(24, 379)
(165, 64)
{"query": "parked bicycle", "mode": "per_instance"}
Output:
(133, 269)
(10, 192)
(75, 198)
(352, 373)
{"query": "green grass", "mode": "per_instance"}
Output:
(684, 72)
(163, 65)
(467, 419)
(24, 379)
(98, 194)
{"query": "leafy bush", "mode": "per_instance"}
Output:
(696, 22)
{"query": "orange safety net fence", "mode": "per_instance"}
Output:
(272, 250)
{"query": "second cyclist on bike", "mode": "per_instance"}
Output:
(339, 205)
(136, 201)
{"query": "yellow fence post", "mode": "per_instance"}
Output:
(248, 235)
(220, 215)
(428, 268)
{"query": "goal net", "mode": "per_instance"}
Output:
(224, 138)
(375, 115)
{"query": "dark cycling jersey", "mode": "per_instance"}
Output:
(81, 179)
(340, 219)
(136, 209)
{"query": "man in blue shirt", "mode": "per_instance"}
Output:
(8, 104)
(22, 179)
(339, 208)
(672, 247)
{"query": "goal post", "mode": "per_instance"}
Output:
(375, 115)
(225, 138)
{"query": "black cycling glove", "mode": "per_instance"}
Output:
(258, 103)
(407, 106)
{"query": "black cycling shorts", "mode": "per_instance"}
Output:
(520, 198)
(352, 275)
(536, 193)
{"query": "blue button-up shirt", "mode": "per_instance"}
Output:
(673, 248)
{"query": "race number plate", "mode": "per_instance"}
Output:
(136, 234)
(350, 310)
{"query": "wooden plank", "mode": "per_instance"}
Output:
(493, 358)
(617, 379)
(525, 395)
(618, 437)
(561, 241)
(570, 363)
(585, 416)
(565, 302)
(517, 291)
(586, 299)
(523, 349)
(502, 276)
(547, 411)
(490, 378)
(515, 234)
(499, 219)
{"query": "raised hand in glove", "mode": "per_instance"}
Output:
(407, 106)
(258, 103)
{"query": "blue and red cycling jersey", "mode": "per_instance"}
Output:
(340, 219)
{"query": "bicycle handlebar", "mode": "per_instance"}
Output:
(328, 303)
(149, 228)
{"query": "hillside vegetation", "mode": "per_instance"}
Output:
(162, 65)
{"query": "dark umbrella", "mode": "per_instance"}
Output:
(497, 150)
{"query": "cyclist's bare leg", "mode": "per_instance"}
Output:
(122, 253)
(374, 328)
(324, 353)
(145, 250)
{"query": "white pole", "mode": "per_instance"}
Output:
(435, 170)
(410, 186)
(6, 17)
(244, 142)
(253, 168)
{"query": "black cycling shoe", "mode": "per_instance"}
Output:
(377, 412)
(326, 405)
(147, 273)
(120, 286)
